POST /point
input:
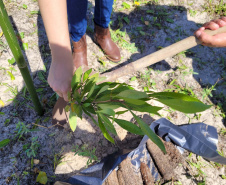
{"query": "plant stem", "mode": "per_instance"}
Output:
(109, 101)
(22, 65)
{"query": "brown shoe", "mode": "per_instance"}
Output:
(80, 52)
(102, 37)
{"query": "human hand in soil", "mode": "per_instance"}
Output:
(218, 40)
(61, 72)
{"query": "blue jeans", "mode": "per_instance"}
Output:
(77, 16)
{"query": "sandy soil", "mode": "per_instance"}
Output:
(199, 69)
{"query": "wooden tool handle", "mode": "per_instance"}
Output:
(158, 56)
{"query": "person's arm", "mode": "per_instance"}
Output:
(218, 40)
(54, 15)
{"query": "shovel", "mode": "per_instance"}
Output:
(60, 117)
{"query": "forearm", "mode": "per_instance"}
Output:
(54, 15)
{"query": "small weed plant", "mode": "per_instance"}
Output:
(215, 8)
(100, 102)
(31, 149)
(85, 151)
(22, 129)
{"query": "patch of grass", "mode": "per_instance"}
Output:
(208, 91)
(192, 12)
(87, 152)
(149, 83)
(197, 168)
(223, 131)
(120, 38)
(215, 9)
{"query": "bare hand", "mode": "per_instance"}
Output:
(218, 40)
(61, 72)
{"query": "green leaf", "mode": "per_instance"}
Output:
(145, 108)
(11, 61)
(78, 110)
(134, 101)
(72, 120)
(76, 96)
(24, 6)
(150, 11)
(42, 178)
(107, 123)
(133, 78)
(132, 94)
(105, 97)
(121, 112)
(91, 91)
(146, 130)
(34, 12)
(69, 95)
(180, 102)
(25, 46)
(126, 5)
(169, 20)
(146, 89)
(90, 109)
(21, 34)
(2, 113)
(100, 79)
(110, 105)
(129, 126)
(67, 108)
(86, 74)
(11, 75)
(95, 76)
(126, 19)
(86, 104)
(104, 131)
(4, 142)
(76, 79)
(39, 90)
(87, 113)
(107, 111)
(120, 88)
(104, 88)
(88, 86)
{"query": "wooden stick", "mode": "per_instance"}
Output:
(158, 56)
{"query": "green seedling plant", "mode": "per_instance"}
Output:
(200, 174)
(85, 151)
(31, 149)
(208, 91)
(22, 130)
(100, 101)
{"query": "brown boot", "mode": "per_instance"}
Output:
(80, 52)
(102, 37)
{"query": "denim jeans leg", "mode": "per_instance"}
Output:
(102, 13)
(76, 10)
